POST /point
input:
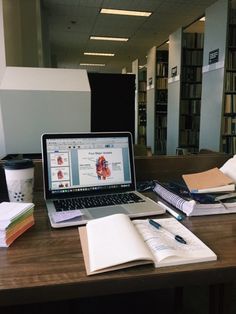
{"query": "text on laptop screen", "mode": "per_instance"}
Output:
(88, 164)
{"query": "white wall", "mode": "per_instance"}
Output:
(151, 91)
(23, 33)
(2, 70)
(213, 76)
(44, 79)
(35, 101)
(175, 52)
(135, 69)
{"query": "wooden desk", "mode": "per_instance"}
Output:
(46, 264)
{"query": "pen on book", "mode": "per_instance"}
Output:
(175, 236)
(171, 211)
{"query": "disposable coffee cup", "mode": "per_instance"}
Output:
(20, 180)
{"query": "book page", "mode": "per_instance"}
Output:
(112, 241)
(166, 250)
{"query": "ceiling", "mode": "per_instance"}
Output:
(72, 22)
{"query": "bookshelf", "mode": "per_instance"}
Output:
(142, 105)
(161, 101)
(184, 88)
(229, 108)
(214, 73)
(191, 86)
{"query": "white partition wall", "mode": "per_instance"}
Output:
(135, 68)
(213, 75)
(175, 48)
(151, 86)
(38, 100)
(34, 101)
(2, 70)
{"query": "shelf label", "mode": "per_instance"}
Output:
(174, 71)
(150, 83)
(213, 56)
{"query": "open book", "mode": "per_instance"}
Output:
(116, 242)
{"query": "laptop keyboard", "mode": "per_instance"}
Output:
(97, 201)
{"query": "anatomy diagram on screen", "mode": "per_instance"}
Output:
(102, 168)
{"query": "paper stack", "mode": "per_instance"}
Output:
(15, 219)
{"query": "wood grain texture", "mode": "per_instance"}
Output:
(46, 264)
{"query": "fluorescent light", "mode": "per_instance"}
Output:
(104, 54)
(202, 19)
(93, 64)
(109, 38)
(125, 12)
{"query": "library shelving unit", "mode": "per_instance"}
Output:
(142, 105)
(184, 88)
(190, 94)
(161, 101)
(229, 108)
(217, 76)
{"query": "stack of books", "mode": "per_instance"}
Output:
(15, 219)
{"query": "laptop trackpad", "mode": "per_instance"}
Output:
(106, 211)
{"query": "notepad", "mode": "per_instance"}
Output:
(15, 219)
(115, 242)
(209, 181)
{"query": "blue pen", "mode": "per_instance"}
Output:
(175, 236)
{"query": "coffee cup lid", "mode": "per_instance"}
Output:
(18, 164)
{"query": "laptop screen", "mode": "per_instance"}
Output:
(83, 164)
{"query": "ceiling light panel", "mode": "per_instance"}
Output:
(125, 12)
(93, 64)
(103, 54)
(109, 38)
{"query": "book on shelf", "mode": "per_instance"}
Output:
(210, 181)
(15, 219)
(230, 103)
(115, 242)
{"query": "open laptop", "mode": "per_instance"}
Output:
(91, 175)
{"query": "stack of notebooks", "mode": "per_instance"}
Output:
(204, 193)
(15, 219)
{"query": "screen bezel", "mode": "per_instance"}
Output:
(48, 193)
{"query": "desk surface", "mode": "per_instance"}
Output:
(47, 264)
